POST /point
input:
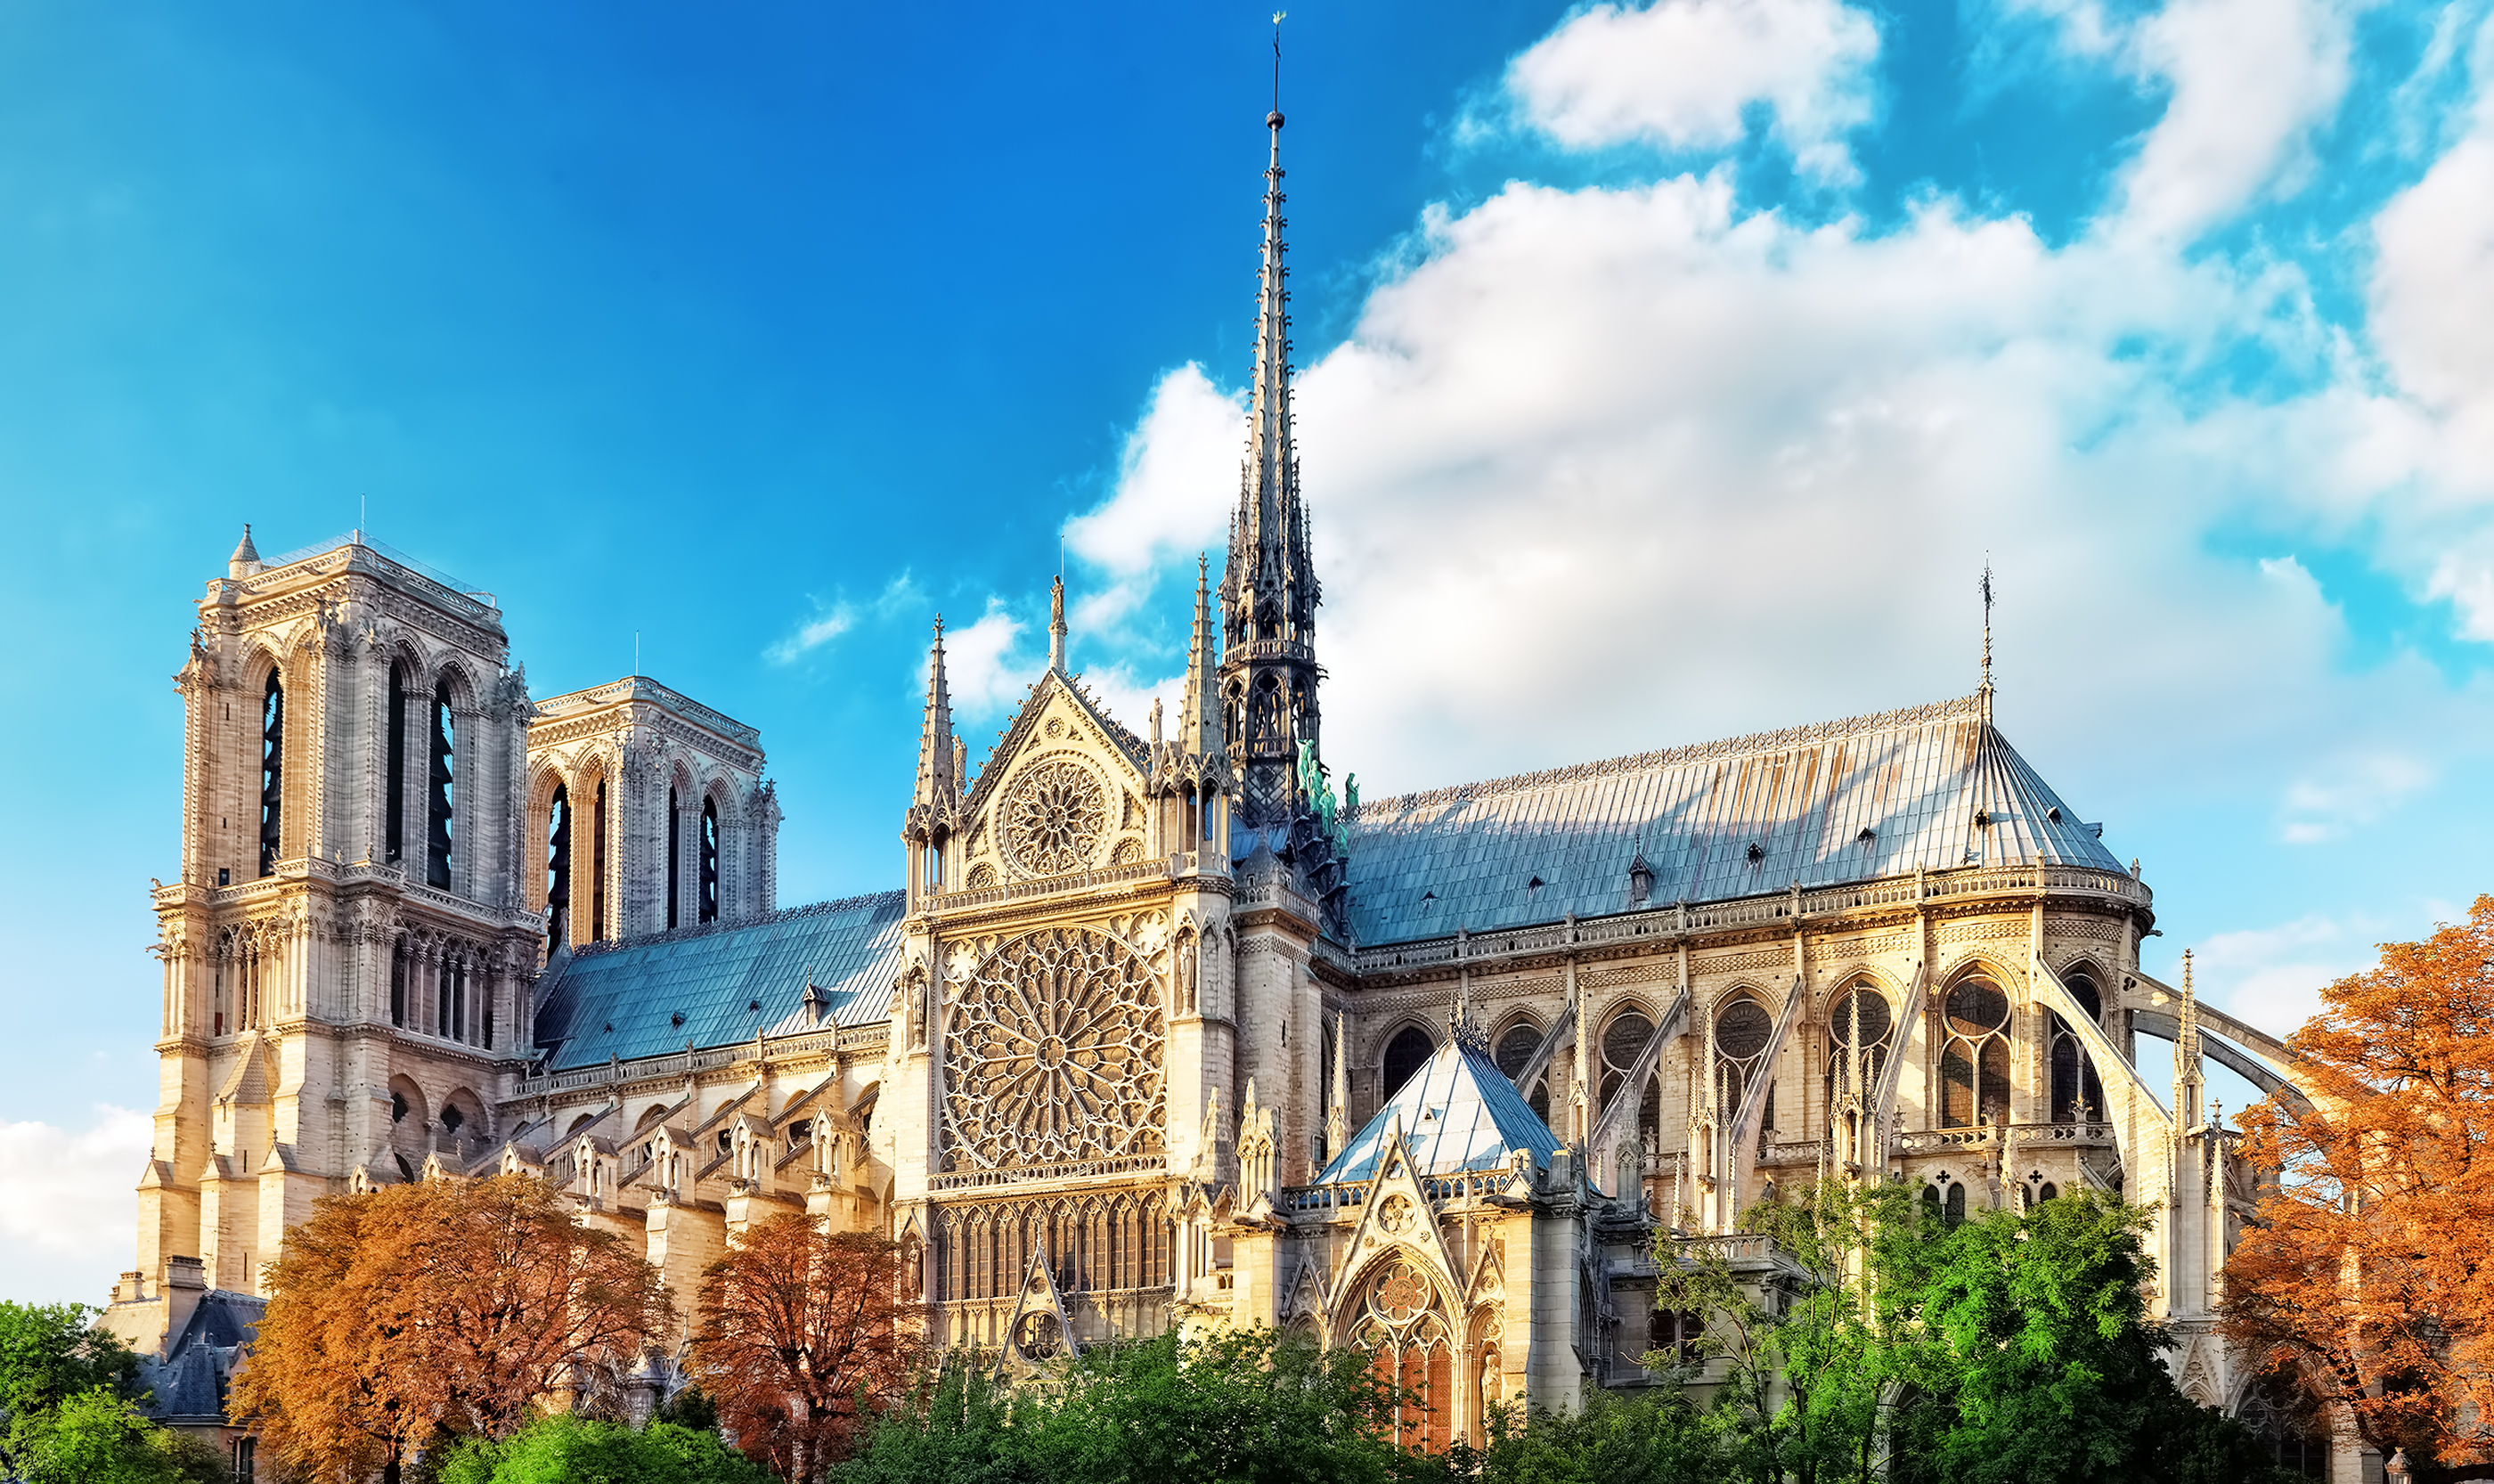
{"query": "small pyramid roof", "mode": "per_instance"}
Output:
(1458, 1112)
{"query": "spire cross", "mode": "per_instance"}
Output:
(1984, 689)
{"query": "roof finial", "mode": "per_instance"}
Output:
(1056, 624)
(1275, 120)
(1984, 689)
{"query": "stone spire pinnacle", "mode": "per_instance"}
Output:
(1056, 625)
(1199, 725)
(1268, 585)
(938, 752)
(1338, 1099)
(2188, 1082)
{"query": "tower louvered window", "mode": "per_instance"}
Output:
(558, 869)
(597, 864)
(394, 785)
(1409, 1050)
(438, 825)
(272, 770)
(710, 861)
(674, 855)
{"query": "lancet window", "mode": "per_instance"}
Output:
(1623, 1042)
(2078, 1093)
(597, 864)
(1974, 1064)
(272, 770)
(557, 869)
(1513, 1052)
(1741, 1030)
(1405, 1054)
(674, 855)
(438, 825)
(709, 859)
(394, 786)
(1860, 1026)
(1401, 1324)
(1094, 1244)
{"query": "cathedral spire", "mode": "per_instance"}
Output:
(1269, 587)
(939, 754)
(1984, 690)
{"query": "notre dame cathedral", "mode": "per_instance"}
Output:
(1153, 1031)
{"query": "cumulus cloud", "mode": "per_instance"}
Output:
(2272, 975)
(1172, 498)
(67, 1206)
(812, 634)
(1684, 73)
(2354, 792)
(2249, 80)
(981, 667)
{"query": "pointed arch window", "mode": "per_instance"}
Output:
(709, 859)
(394, 785)
(674, 855)
(1624, 1041)
(597, 864)
(1405, 1055)
(1515, 1050)
(1975, 1065)
(2078, 1093)
(272, 770)
(557, 869)
(1860, 1026)
(1401, 1325)
(1741, 1030)
(398, 984)
(438, 826)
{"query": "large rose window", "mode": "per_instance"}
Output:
(1055, 1056)
(1055, 816)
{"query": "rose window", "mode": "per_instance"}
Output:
(1055, 1055)
(1055, 818)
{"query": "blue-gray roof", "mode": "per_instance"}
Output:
(1934, 787)
(1458, 1112)
(726, 983)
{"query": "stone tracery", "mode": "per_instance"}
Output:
(1055, 818)
(1055, 1056)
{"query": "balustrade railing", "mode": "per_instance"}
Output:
(1674, 919)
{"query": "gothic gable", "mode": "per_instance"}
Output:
(1063, 794)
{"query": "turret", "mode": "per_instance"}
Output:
(938, 789)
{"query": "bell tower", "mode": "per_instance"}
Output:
(346, 961)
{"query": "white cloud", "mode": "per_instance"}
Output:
(2249, 79)
(2272, 977)
(979, 666)
(812, 634)
(2352, 793)
(1682, 72)
(1177, 480)
(67, 1204)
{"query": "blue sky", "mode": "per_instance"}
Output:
(1669, 373)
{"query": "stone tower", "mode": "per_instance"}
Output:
(347, 960)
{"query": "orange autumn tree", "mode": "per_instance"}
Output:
(800, 1341)
(2369, 1268)
(420, 1313)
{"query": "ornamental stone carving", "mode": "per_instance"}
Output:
(1055, 817)
(1054, 1046)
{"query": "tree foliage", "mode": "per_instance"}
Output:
(1888, 1343)
(69, 1392)
(421, 1313)
(1236, 1408)
(2365, 1269)
(799, 1340)
(590, 1450)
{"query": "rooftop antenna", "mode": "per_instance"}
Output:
(359, 520)
(1984, 689)
(637, 652)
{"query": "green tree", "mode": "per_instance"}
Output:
(565, 1450)
(1241, 1408)
(1657, 1438)
(70, 1391)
